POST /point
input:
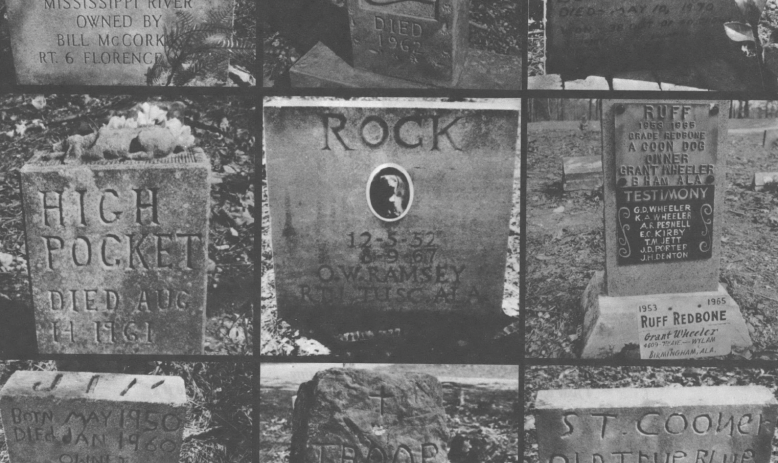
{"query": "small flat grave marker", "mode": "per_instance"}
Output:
(118, 254)
(98, 42)
(656, 424)
(71, 417)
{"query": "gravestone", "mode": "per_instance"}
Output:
(347, 415)
(101, 42)
(419, 40)
(629, 425)
(385, 212)
(581, 173)
(608, 36)
(118, 252)
(764, 179)
(664, 186)
(86, 417)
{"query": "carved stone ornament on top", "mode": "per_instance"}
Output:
(148, 135)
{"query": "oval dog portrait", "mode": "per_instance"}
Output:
(389, 192)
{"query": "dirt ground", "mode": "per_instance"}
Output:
(567, 377)
(484, 415)
(565, 246)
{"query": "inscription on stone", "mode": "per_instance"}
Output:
(118, 254)
(420, 40)
(595, 36)
(665, 175)
(98, 42)
(656, 425)
(402, 413)
(68, 417)
(393, 218)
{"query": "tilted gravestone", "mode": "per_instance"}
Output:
(385, 210)
(118, 252)
(103, 42)
(356, 416)
(664, 186)
(419, 40)
(685, 424)
(596, 36)
(86, 417)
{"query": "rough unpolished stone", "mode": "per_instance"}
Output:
(762, 179)
(590, 83)
(118, 254)
(66, 417)
(102, 42)
(683, 424)
(356, 416)
(545, 82)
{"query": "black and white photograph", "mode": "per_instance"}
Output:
(126, 225)
(201, 43)
(720, 45)
(386, 413)
(390, 228)
(391, 44)
(77, 411)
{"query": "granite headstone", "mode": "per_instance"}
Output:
(118, 252)
(384, 209)
(68, 417)
(685, 424)
(356, 416)
(596, 36)
(101, 42)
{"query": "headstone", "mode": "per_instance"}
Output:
(87, 417)
(581, 173)
(629, 425)
(387, 209)
(623, 35)
(419, 40)
(346, 415)
(322, 68)
(763, 179)
(769, 137)
(664, 187)
(118, 252)
(100, 42)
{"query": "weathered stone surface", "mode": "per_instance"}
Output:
(608, 36)
(545, 82)
(118, 253)
(610, 323)
(89, 417)
(320, 67)
(629, 425)
(681, 163)
(97, 42)
(590, 83)
(762, 179)
(581, 172)
(635, 80)
(346, 415)
(346, 263)
(417, 40)
(769, 137)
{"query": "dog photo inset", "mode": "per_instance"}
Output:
(389, 192)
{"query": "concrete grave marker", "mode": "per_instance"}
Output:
(98, 42)
(681, 425)
(70, 417)
(346, 415)
(384, 209)
(419, 40)
(664, 187)
(118, 253)
(608, 36)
